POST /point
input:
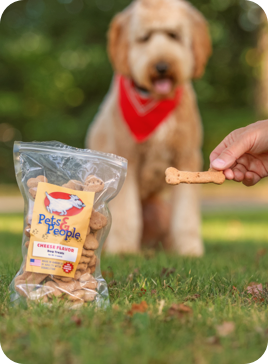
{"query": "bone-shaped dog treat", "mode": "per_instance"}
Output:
(39, 295)
(97, 220)
(88, 253)
(63, 279)
(25, 283)
(54, 291)
(33, 182)
(84, 259)
(93, 184)
(91, 243)
(76, 295)
(89, 296)
(82, 266)
(74, 185)
(93, 261)
(32, 192)
(175, 177)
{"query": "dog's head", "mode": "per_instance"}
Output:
(76, 201)
(160, 44)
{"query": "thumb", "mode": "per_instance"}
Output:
(230, 154)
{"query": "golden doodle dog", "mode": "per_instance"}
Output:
(150, 116)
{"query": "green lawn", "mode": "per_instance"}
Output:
(235, 256)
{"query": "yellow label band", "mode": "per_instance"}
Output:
(59, 226)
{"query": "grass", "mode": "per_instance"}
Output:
(235, 256)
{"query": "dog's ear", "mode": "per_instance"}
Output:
(201, 41)
(118, 42)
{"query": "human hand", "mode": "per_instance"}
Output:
(243, 154)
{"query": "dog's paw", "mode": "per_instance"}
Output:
(188, 245)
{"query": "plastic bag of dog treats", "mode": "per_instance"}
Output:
(66, 221)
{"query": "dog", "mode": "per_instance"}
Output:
(62, 206)
(150, 116)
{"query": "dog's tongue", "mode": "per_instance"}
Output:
(163, 86)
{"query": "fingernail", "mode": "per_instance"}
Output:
(218, 163)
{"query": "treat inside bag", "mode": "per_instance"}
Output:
(66, 221)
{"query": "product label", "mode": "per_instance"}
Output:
(60, 222)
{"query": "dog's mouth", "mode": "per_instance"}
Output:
(160, 87)
(163, 86)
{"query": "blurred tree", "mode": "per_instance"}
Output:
(55, 72)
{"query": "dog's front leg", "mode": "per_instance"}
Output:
(186, 221)
(126, 230)
(186, 216)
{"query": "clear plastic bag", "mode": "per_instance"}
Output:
(63, 234)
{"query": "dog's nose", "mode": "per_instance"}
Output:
(162, 67)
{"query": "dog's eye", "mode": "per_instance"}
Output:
(174, 36)
(144, 38)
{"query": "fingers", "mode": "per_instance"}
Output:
(251, 179)
(239, 172)
(229, 174)
(230, 149)
(256, 164)
(218, 150)
(248, 178)
(236, 173)
(230, 155)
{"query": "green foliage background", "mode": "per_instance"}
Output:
(55, 72)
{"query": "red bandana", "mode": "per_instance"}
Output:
(143, 114)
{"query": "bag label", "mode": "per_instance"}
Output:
(60, 222)
(61, 252)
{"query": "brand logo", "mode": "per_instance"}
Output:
(59, 227)
(63, 204)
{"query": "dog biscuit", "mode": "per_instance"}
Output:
(76, 295)
(38, 295)
(33, 182)
(74, 185)
(97, 220)
(93, 184)
(87, 253)
(82, 266)
(91, 243)
(93, 261)
(86, 277)
(90, 284)
(54, 291)
(32, 192)
(90, 296)
(63, 279)
(175, 177)
(84, 259)
(26, 282)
